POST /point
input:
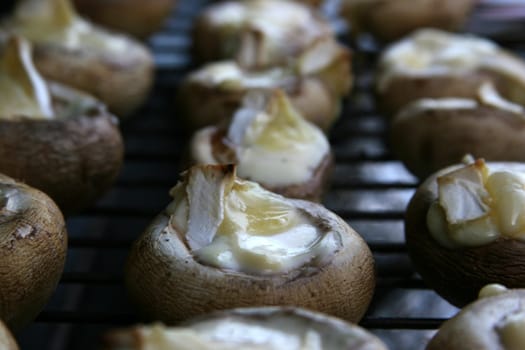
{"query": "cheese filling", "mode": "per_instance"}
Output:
(477, 204)
(237, 225)
(434, 52)
(510, 331)
(273, 143)
(230, 75)
(266, 29)
(55, 21)
(487, 96)
(24, 93)
(274, 18)
(231, 334)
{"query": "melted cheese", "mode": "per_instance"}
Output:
(228, 75)
(477, 204)
(275, 145)
(270, 16)
(487, 96)
(24, 93)
(247, 228)
(265, 32)
(55, 22)
(231, 334)
(510, 331)
(434, 52)
(427, 104)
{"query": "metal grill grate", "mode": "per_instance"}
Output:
(370, 189)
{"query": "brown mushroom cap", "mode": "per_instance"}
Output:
(458, 274)
(335, 333)
(435, 138)
(33, 244)
(74, 159)
(476, 326)
(140, 18)
(390, 20)
(169, 284)
(309, 95)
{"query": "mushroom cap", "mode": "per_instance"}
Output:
(458, 274)
(33, 245)
(74, 158)
(168, 284)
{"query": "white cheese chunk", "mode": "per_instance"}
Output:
(430, 52)
(274, 144)
(249, 229)
(24, 93)
(477, 204)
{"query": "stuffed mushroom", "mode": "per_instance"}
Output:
(224, 242)
(389, 20)
(430, 134)
(493, 322)
(140, 18)
(465, 228)
(271, 31)
(270, 328)
(434, 64)
(33, 245)
(56, 139)
(315, 81)
(272, 144)
(114, 68)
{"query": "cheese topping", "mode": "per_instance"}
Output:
(237, 225)
(477, 204)
(55, 21)
(274, 18)
(510, 331)
(230, 75)
(487, 96)
(232, 335)
(435, 52)
(235, 332)
(24, 93)
(273, 143)
(266, 31)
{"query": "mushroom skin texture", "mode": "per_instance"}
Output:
(489, 323)
(73, 159)
(7, 342)
(112, 67)
(140, 18)
(391, 20)
(169, 283)
(290, 152)
(434, 64)
(271, 31)
(33, 245)
(322, 331)
(457, 274)
(315, 81)
(430, 134)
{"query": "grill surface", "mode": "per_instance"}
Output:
(370, 190)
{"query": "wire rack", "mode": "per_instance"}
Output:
(370, 190)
